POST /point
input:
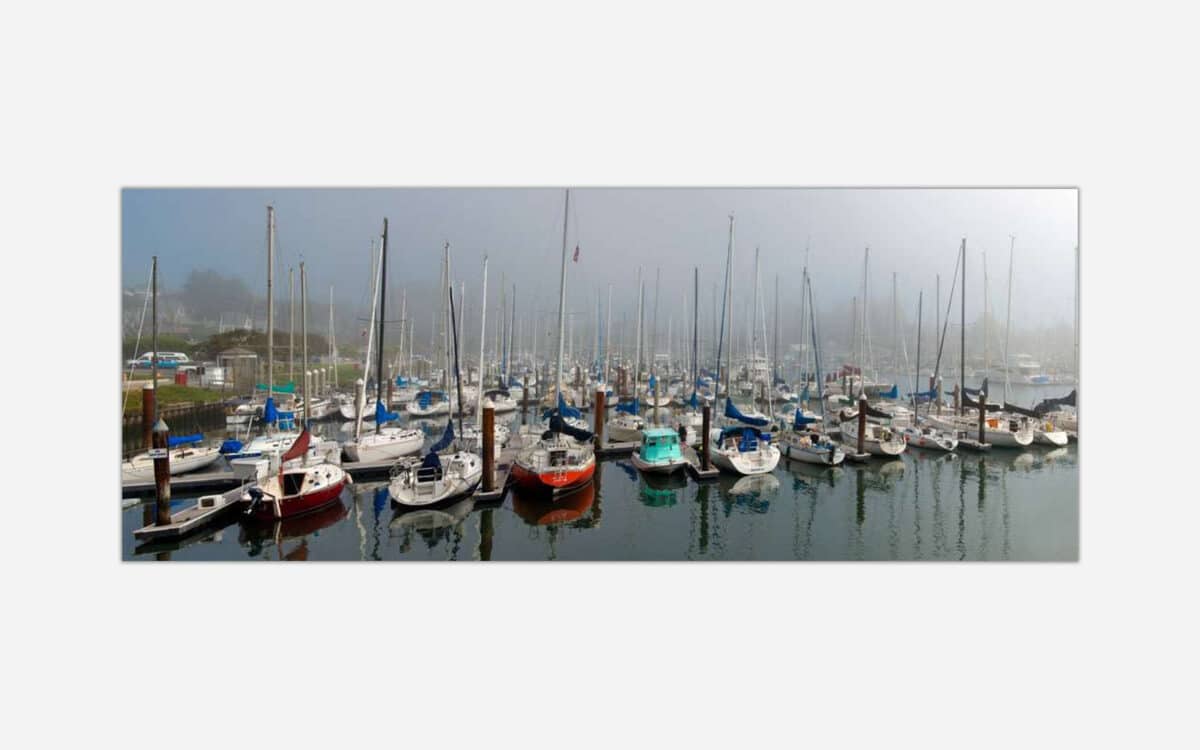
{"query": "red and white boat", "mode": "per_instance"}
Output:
(555, 463)
(562, 459)
(296, 490)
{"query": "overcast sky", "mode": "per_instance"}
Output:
(914, 232)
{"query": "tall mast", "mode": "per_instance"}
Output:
(987, 361)
(482, 329)
(754, 319)
(403, 331)
(1008, 313)
(895, 333)
(812, 310)
(562, 301)
(447, 328)
(917, 386)
(729, 312)
(607, 334)
(382, 308)
(304, 343)
(154, 331)
(775, 359)
(1075, 374)
(361, 396)
(654, 331)
(332, 347)
(695, 326)
(291, 327)
(637, 365)
(270, 301)
(512, 323)
(962, 345)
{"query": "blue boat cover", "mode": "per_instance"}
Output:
(893, 393)
(629, 408)
(804, 393)
(175, 440)
(383, 415)
(558, 425)
(270, 414)
(748, 437)
(444, 443)
(424, 398)
(694, 402)
(231, 446)
(401, 381)
(802, 421)
(732, 412)
(653, 383)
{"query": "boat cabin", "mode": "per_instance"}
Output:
(660, 444)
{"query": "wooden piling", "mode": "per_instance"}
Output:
(862, 423)
(706, 420)
(599, 417)
(488, 439)
(148, 404)
(162, 473)
(982, 411)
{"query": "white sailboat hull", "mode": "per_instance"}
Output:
(388, 445)
(763, 460)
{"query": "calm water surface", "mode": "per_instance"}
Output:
(1008, 505)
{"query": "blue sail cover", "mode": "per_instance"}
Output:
(653, 383)
(694, 402)
(802, 421)
(629, 408)
(402, 381)
(424, 398)
(567, 412)
(748, 437)
(447, 438)
(558, 425)
(732, 412)
(923, 395)
(893, 393)
(804, 393)
(383, 415)
(270, 414)
(175, 440)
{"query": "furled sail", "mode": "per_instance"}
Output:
(630, 407)
(732, 412)
(175, 440)
(383, 415)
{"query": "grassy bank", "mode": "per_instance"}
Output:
(171, 394)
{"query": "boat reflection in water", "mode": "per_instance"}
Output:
(538, 509)
(254, 535)
(661, 490)
(816, 473)
(432, 525)
(752, 493)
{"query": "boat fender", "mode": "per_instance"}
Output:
(349, 479)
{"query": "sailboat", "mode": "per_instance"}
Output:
(184, 451)
(562, 459)
(626, 424)
(472, 436)
(295, 490)
(691, 420)
(385, 443)
(804, 443)
(439, 479)
(741, 446)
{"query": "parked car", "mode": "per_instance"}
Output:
(166, 360)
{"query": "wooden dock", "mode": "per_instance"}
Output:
(206, 510)
(693, 465)
(222, 480)
(503, 467)
(610, 449)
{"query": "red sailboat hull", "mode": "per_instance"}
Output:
(296, 505)
(552, 480)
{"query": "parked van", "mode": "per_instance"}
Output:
(166, 360)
